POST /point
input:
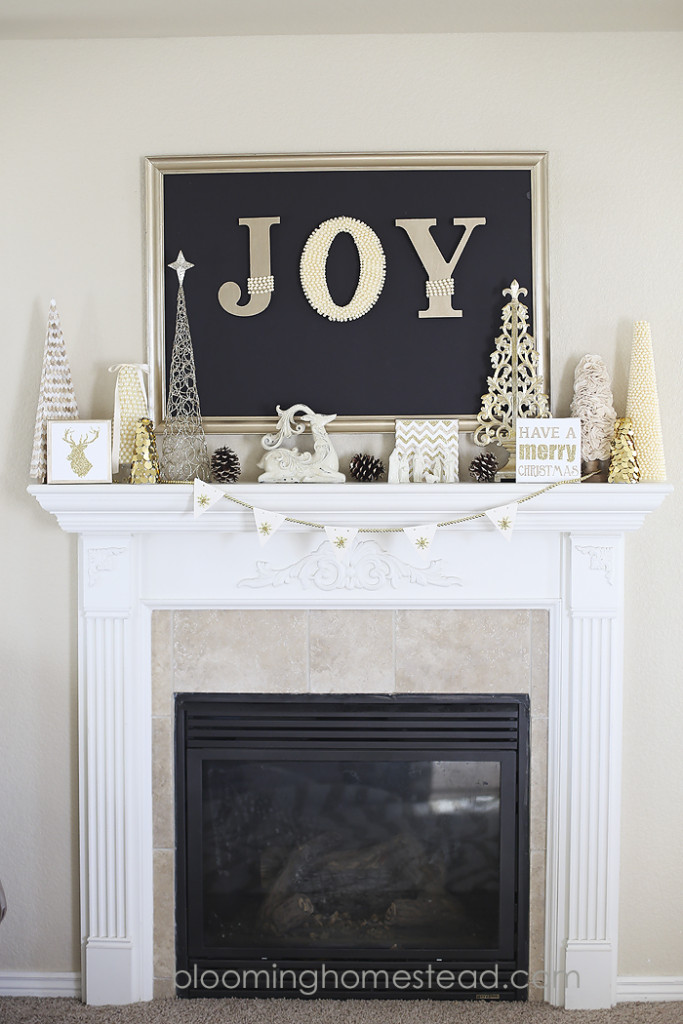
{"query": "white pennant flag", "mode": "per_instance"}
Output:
(503, 518)
(267, 523)
(421, 538)
(205, 496)
(341, 538)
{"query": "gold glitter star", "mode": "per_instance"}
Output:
(265, 529)
(203, 500)
(422, 543)
(504, 523)
(340, 542)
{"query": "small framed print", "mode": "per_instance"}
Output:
(79, 452)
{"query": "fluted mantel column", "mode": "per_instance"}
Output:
(114, 784)
(589, 771)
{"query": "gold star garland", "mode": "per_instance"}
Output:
(447, 522)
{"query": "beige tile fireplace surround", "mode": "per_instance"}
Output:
(172, 603)
(342, 651)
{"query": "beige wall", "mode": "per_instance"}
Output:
(76, 119)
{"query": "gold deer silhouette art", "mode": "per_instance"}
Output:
(80, 463)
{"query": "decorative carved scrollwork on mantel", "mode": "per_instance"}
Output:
(369, 568)
(601, 559)
(102, 560)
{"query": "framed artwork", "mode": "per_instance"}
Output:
(365, 285)
(79, 451)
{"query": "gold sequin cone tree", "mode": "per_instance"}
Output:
(145, 467)
(642, 405)
(623, 467)
(56, 399)
(184, 454)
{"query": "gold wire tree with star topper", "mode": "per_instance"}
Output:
(184, 454)
(515, 387)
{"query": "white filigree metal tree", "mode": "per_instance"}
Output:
(515, 389)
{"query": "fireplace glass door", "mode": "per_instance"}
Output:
(369, 831)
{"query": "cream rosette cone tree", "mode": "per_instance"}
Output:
(593, 404)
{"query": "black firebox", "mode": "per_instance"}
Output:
(352, 847)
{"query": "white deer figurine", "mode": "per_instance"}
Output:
(289, 465)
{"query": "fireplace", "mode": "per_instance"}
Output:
(368, 846)
(566, 560)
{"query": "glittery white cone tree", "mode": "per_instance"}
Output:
(184, 454)
(642, 406)
(56, 400)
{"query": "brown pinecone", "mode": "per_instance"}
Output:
(484, 468)
(225, 466)
(366, 467)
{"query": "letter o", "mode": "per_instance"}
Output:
(313, 268)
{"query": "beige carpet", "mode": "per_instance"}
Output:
(297, 1011)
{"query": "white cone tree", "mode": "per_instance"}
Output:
(56, 400)
(642, 406)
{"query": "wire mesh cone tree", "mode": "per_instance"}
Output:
(642, 405)
(184, 453)
(515, 388)
(56, 399)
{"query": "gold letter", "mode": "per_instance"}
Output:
(230, 293)
(439, 272)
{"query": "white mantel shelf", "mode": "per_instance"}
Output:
(141, 548)
(151, 508)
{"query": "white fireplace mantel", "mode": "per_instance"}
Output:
(141, 548)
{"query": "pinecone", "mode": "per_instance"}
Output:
(225, 466)
(366, 467)
(484, 468)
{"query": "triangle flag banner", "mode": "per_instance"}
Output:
(205, 496)
(341, 538)
(503, 518)
(421, 538)
(267, 523)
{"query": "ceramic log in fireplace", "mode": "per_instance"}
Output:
(360, 847)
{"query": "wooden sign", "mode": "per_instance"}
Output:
(548, 450)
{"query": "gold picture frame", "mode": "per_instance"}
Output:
(163, 174)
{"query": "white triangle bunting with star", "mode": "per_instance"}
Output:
(341, 538)
(205, 496)
(267, 523)
(421, 538)
(503, 518)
